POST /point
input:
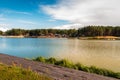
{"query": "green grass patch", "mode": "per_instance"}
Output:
(78, 66)
(17, 73)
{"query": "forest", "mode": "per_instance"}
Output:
(88, 31)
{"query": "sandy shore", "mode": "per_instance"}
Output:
(56, 72)
(12, 36)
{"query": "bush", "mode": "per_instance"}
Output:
(51, 60)
(78, 66)
(64, 63)
(41, 59)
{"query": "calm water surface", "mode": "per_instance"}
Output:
(100, 53)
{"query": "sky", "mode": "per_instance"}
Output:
(60, 14)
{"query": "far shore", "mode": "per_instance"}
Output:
(80, 38)
(100, 38)
(12, 36)
(29, 37)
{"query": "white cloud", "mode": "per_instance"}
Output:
(3, 27)
(86, 12)
(26, 22)
(26, 13)
(68, 26)
(2, 18)
(1, 15)
(51, 20)
(13, 11)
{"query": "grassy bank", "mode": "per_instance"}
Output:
(100, 38)
(78, 66)
(17, 73)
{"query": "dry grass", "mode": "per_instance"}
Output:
(17, 73)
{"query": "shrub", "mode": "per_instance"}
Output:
(51, 60)
(41, 59)
(78, 66)
(64, 63)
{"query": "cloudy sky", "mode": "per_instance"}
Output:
(31, 14)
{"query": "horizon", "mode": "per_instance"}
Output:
(58, 14)
(65, 27)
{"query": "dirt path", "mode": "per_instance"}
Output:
(56, 72)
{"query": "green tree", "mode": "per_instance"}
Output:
(15, 32)
(1, 33)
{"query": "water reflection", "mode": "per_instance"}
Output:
(105, 54)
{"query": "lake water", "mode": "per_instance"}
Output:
(100, 53)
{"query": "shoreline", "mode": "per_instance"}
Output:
(78, 66)
(56, 72)
(80, 38)
(100, 38)
(29, 37)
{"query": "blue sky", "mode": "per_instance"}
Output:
(27, 14)
(61, 14)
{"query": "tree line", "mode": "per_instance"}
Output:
(99, 31)
(38, 32)
(88, 31)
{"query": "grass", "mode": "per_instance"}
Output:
(78, 66)
(17, 73)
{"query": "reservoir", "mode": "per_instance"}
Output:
(100, 53)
